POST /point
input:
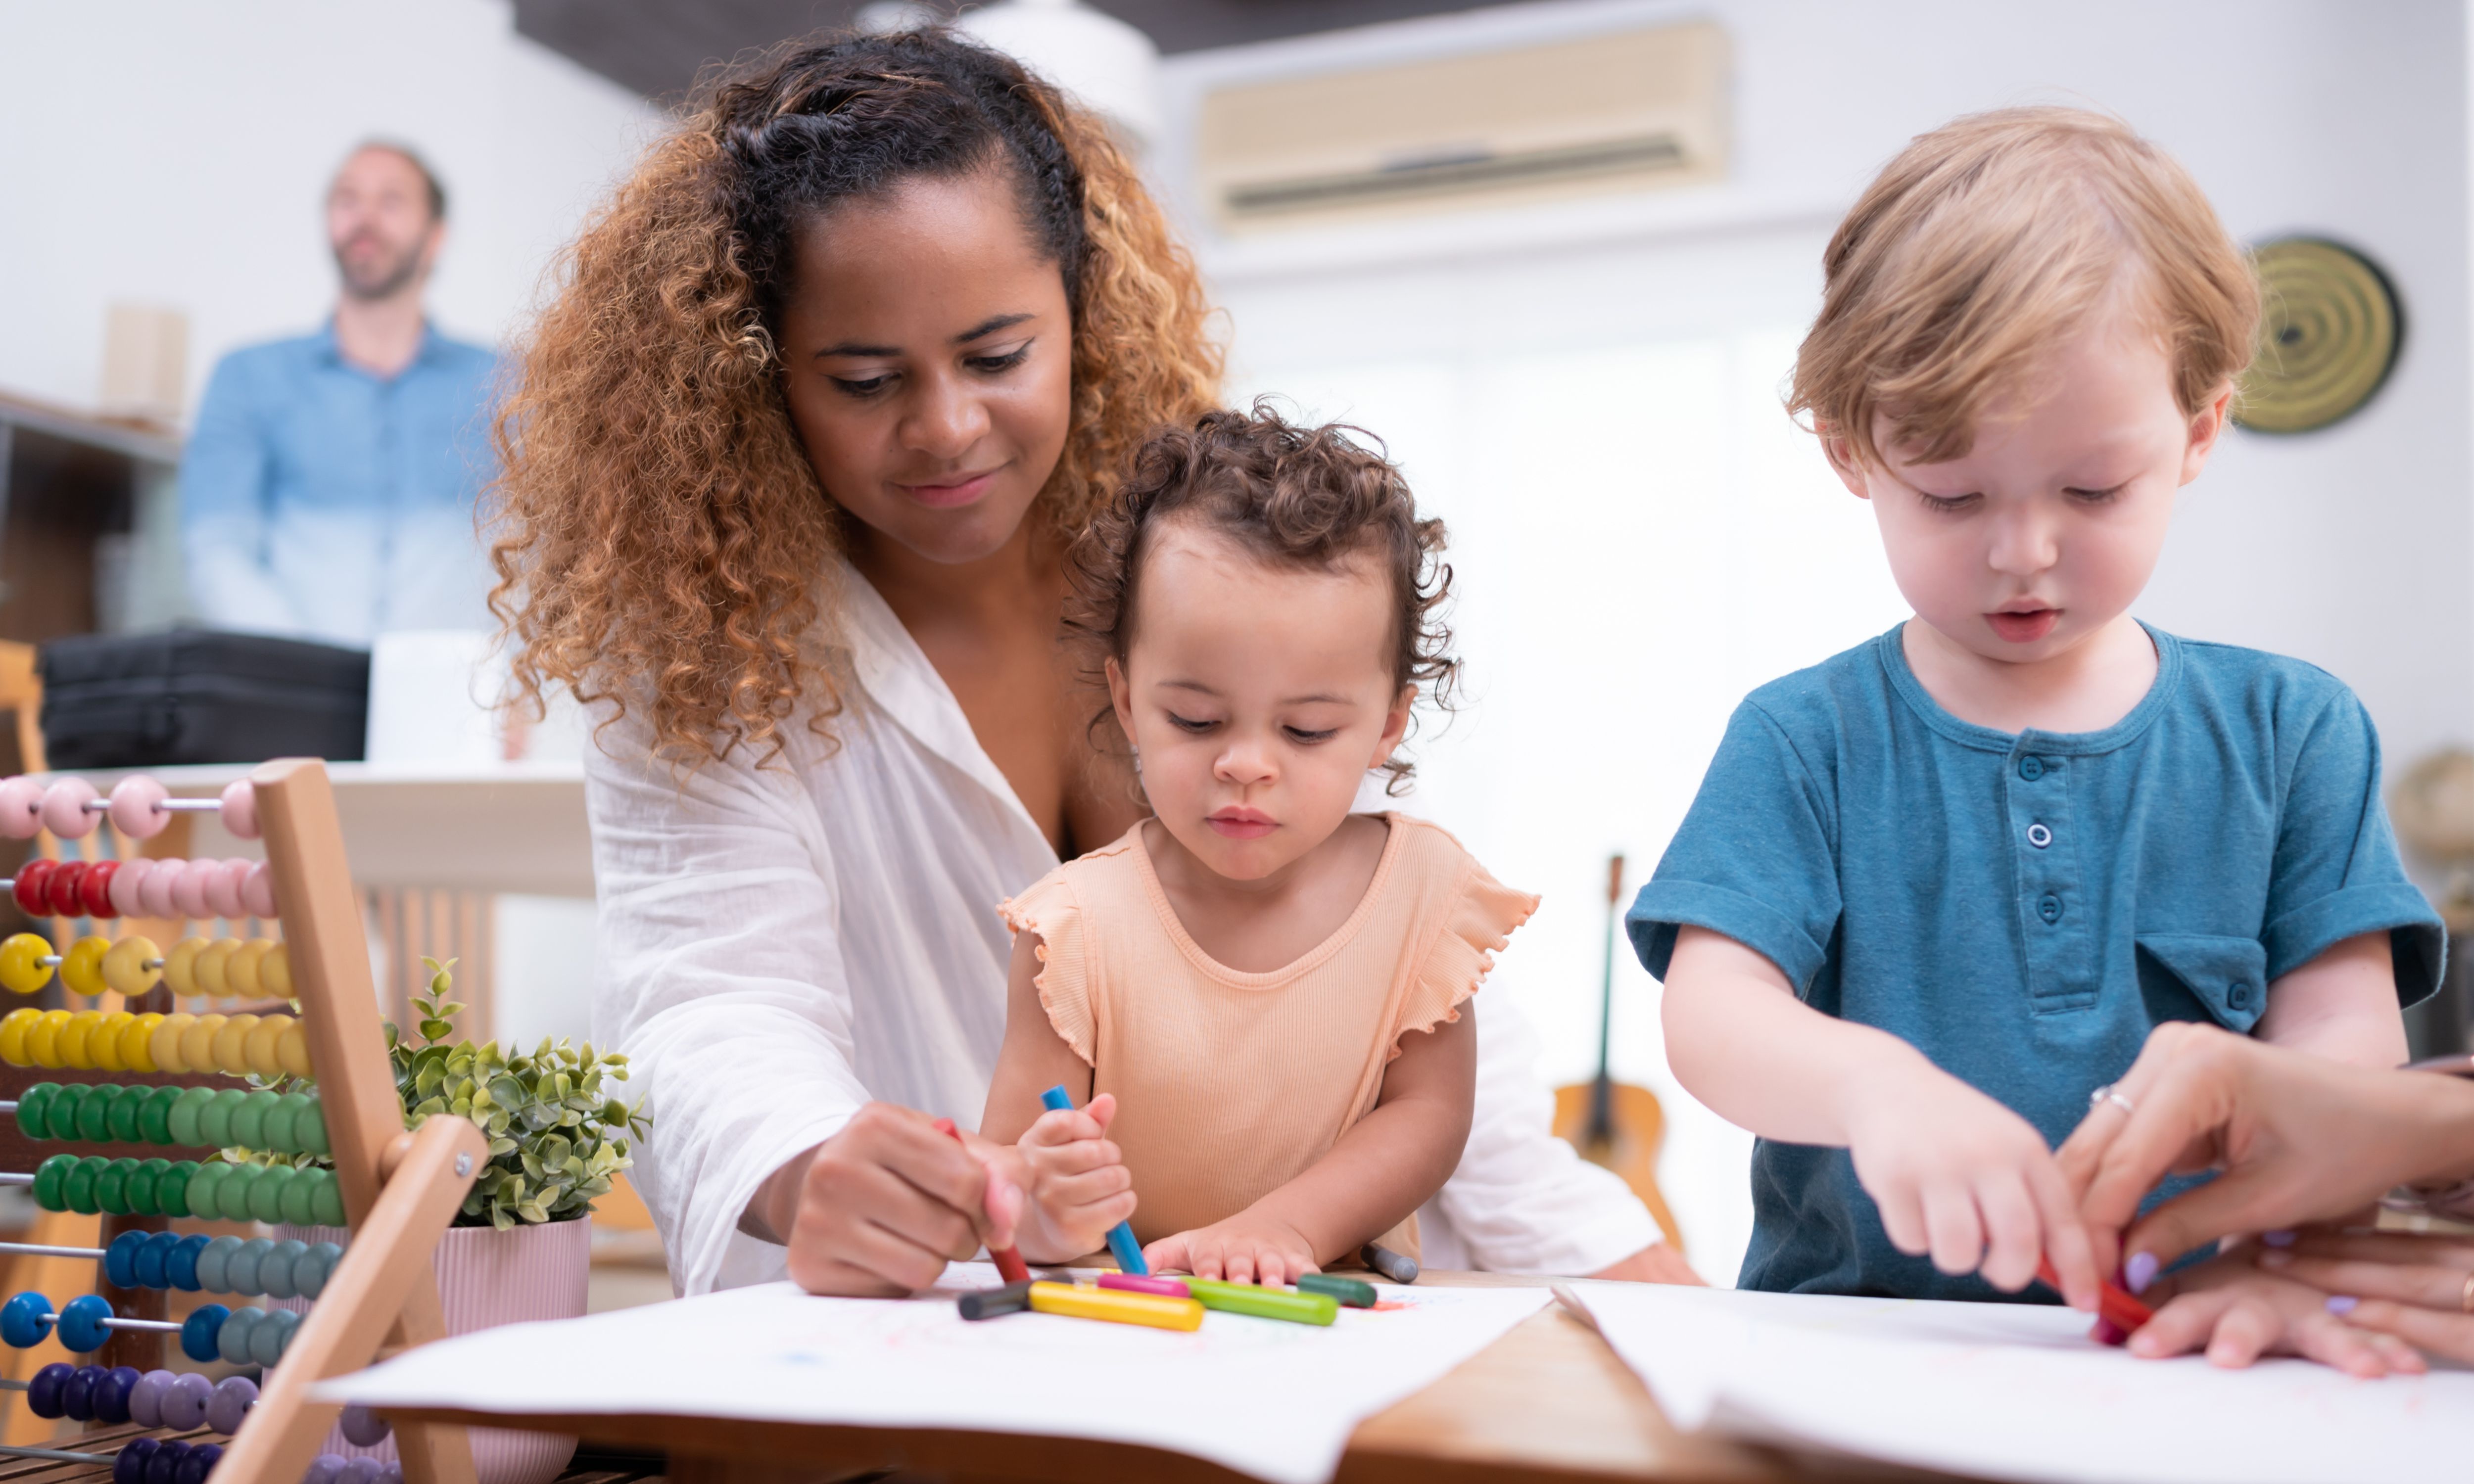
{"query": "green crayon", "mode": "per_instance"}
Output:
(1298, 1308)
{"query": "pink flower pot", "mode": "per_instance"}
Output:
(487, 1278)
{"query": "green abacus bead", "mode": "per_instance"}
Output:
(34, 1105)
(123, 1117)
(266, 1192)
(172, 1188)
(282, 1134)
(51, 1176)
(154, 1115)
(183, 1118)
(78, 1189)
(199, 1195)
(94, 1112)
(309, 1127)
(61, 1117)
(214, 1120)
(299, 1198)
(231, 1197)
(111, 1186)
(145, 1186)
(249, 1120)
(327, 1202)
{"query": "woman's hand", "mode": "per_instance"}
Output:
(880, 1207)
(1077, 1179)
(2237, 1313)
(1250, 1247)
(2417, 1288)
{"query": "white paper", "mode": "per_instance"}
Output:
(2012, 1391)
(1259, 1396)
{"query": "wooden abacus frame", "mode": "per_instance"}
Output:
(401, 1190)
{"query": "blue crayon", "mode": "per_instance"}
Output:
(1120, 1236)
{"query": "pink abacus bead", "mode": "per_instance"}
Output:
(222, 888)
(64, 811)
(135, 806)
(21, 809)
(126, 898)
(240, 809)
(190, 887)
(257, 889)
(155, 888)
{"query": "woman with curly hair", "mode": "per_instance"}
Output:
(828, 390)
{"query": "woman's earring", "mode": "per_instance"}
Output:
(1136, 754)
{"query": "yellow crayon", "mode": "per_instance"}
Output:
(1125, 1308)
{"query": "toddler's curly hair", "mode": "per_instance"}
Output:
(1309, 498)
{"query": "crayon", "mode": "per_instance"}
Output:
(1298, 1308)
(2118, 1312)
(1351, 1292)
(1120, 1236)
(1125, 1308)
(1396, 1267)
(990, 1303)
(1010, 1263)
(1128, 1283)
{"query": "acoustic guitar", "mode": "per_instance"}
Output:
(1613, 1123)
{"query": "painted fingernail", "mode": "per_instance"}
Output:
(2277, 1239)
(2139, 1271)
(2342, 1304)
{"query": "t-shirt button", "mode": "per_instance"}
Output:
(2049, 909)
(2031, 768)
(2239, 996)
(2039, 836)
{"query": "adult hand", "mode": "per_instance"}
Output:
(2295, 1138)
(2417, 1288)
(2234, 1313)
(880, 1207)
(1658, 1264)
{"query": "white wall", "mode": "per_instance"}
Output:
(179, 154)
(1588, 393)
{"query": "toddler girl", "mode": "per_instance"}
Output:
(1258, 991)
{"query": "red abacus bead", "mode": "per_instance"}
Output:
(33, 888)
(94, 892)
(65, 894)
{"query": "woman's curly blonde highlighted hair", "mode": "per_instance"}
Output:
(662, 539)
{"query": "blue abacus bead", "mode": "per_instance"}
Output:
(112, 1393)
(322, 1469)
(327, 1255)
(155, 1259)
(198, 1332)
(240, 1269)
(128, 1465)
(200, 1462)
(146, 1398)
(234, 1395)
(77, 1394)
(359, 1471)
(275, 1269)
(167, 1459)
(185, 1402)
(214, 1264)
(269, 1335)
(120, 1259)
(44, 1392)
(180, 1264)
(24, 1320)
(81, 1328)
(363, 1427)
(232, 1341)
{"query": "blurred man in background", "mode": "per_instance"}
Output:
(328, 492)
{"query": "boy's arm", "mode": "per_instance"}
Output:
(1955, 1173)
(2341, 1005)
(1387, 1166)
(1073, 1175)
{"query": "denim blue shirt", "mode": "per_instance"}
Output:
(2025, 908)
(321, 500)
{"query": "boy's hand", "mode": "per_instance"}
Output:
(1077, 1182)
(2237, 1313)
(1247, 1248)
(1958, 1176)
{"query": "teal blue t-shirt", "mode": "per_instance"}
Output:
(2024, 909)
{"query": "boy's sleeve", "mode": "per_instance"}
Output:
(1755, 860)
(2337, 873)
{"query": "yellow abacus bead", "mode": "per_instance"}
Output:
(291, 1047)
(130, 967)
(240, 971)
(81, 967)
(12, 1035)
(22, 968)
(104, 1043)
(260, 1050)
(198, 1044)
(43, 1039)
(177, 966)
(275, 974)
(137, 1042)
(75, 1041)
(163, 1045)
(231, 1045)
(209, 971)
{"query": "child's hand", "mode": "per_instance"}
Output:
(1247, 1248)
(1077, 1182)
(2237, 1313)
(1958, 1176)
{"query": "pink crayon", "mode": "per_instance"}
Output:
(1165, 1287)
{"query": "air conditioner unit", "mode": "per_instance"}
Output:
(1633, 110)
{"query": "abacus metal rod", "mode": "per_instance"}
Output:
(40, 1250)
(115, 1321)
(10, 1177)
(55, 1454)
(162, 805)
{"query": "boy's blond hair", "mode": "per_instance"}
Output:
(1985, 242)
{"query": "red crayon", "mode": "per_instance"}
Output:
(2118, 1312)
(1009, 1265)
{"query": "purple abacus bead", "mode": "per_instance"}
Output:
(241, 809)
(112, 1393)
(183, 1403)
(190, 887)
(222, 889)
(128, 1465)
(391, 1473)
(135, 810)
(359, 1471)
(257, 889)
(146, 1399)
(64, 811)
(234, 1395)
(21, 809)
(363, 1427)
(44, 1392)
(166, 1459)
(201, 1460)
(322, 1469)
(77, 1394)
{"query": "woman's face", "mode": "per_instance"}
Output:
(927, 354)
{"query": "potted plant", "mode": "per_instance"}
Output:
(520, 1247)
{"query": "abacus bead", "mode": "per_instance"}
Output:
(155, 893)
(21, 809)
(281, 1135)
(68, 1043)
(240, 1268)
(194, 1469)
(111, 1394)
(260, 1050)
(82, 966)
(77, 1188)
(137, 1043)
(249, 1120)
(102, 1045)
(240, 971)
(363, 1427)
(234, 1395)
(291, 1046)
(60, 892)
(198, 1037)
(275, 1269)
(232, 1341)
(198, 1341)
(224, 889)
(155, 1114)
(24, 1320)
(13, 1028)
(64, 811)
(180, 1263)
(146, 1189)
(130, 967)
(134, 811)
(266, 1192)
(128, 1465)
(183, 1115)
(201, 1192)
(94, 1109)
(34, 1104)
(172, 1188)
(121, 1118)
(112, 1185)
(60, 1113)
(326, 1201)
(32, 887)
(190, 887)
(363, 1470)
(322, 1257)
(124, 882)
(22, 970)
(81, 1326)
(391, 1473)
(155, 1259)
(44, 1392)
(184, 1401)
(49, 1177)
(43, 1039)
(210, 970)
(231, 1197)
(274, 976)
(120, 1259)
(146, 1398)
(231, 1038)
(240, 809)
(309, 1126)
(297, 1202)
(77, 1394)
(268, 1337)
(322, 1469)
(94, 894)
(214, 1120)
(163, 1043)
(166, 1462)
(214, 1264)
(257, 891)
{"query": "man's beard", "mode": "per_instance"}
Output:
(382, 280)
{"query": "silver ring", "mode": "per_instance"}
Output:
(2106, 1094)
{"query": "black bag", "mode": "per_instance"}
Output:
(194, 695)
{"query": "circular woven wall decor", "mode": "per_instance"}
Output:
(2329, 335)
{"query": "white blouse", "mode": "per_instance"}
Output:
(780, 944)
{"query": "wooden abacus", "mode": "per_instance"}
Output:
(399, 1190)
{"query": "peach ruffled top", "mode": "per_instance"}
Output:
(1230, 1085)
